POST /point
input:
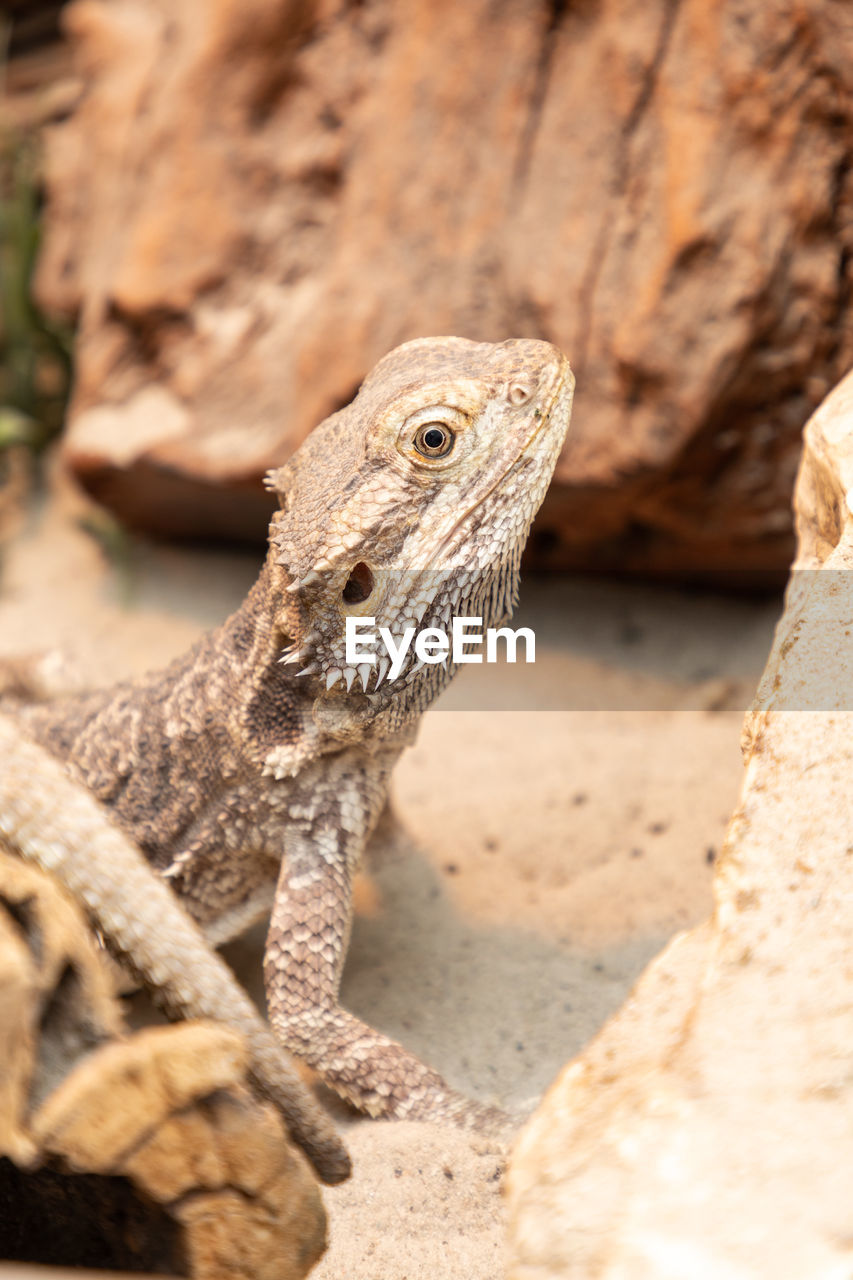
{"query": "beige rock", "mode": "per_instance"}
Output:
(253, 202)
(708, 1130)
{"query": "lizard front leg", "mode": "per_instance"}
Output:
(306, 947)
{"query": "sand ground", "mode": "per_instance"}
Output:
(548, 834)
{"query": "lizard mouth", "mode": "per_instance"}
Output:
(540, 424)
(443, 603)
(437, 596)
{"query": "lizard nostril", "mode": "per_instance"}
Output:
(359, 584)
(519, 392)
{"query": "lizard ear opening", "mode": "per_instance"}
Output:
(359, 584)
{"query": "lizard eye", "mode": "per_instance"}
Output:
(434, 440)
(433, 433)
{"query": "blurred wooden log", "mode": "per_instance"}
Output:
(143, 1151)
(20, 1271)
(253, 202)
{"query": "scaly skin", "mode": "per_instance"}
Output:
(251, 772)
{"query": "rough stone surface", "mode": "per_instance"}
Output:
(140, 1151)
(254, 201)
(708, 1130)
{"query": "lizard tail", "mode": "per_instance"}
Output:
(53, 821)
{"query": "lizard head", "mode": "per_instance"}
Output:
(414, 502)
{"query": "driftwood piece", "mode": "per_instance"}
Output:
(144, 1151)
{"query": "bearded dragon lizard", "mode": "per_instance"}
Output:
(246, 778)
